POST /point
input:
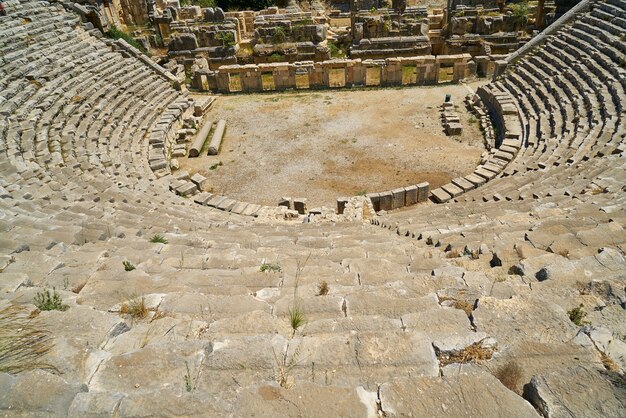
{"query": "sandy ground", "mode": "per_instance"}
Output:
(323, 145)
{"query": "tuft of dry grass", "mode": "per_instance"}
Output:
(454, 253)
(135, 307)
(322, 288)
(470, 354)
(466, 307)
(23, 341)
(509, 375)
(609, 363)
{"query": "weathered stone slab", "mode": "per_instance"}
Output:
(452, 190)
(410, 196)
(422, 191)
(462, 391)
(199, 180)
(575, 391)
(397, 196)
(441, 195)
(386, 201)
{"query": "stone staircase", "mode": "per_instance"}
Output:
(235, 317)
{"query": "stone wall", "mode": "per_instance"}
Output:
(423, 70)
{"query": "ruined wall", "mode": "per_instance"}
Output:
(424, 70)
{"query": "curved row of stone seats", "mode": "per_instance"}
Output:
(574, 215)
(568, 98)
(392, 308)
(507, 119)
(74, 118)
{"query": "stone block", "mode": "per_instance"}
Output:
(463, 184)
(286, 202)
(410, 197)
(202, 198)
(341, 204)
(475, 180)
(375, 199)
(386, 201)
(199, 180)
(440, 195)
(187, 189)
(299, 205)
(215, 200)
(397, 198)
(452, 190)
(422, 191)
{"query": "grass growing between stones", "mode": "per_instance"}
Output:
(296, 319)
(270, 267)
(136, 308)
(470, 354)
(466, 307)
(44, 301)
(23, 342)
(577, 316)
(158, 239)
(190, 383)
(322, 288)
(509, 375)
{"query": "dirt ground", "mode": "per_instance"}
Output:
(323, 145)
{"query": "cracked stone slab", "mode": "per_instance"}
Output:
(460, 392)
(580, 391)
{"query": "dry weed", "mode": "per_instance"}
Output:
(509, 375)
(23, 341)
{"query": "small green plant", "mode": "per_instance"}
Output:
(116, 33)
(270, 267)
(296, 318)
(520, 12)
(158, 239)
(279, 35)
(361, 192)
(509, 375)
(227, 38)
(190, 383)
(201, 3)
(135, 307)
(44, 301)
(335, 51)
(214, 166)
(577, 315)
(128, 266)
(276, 57)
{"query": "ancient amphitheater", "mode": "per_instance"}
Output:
(502, 295)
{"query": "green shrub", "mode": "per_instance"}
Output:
(44, 301)
(520, 12)
(335, 51)
(115, 33)
(577, 316)
(135, 307)
(271, 267)
(227, 38)
(160, 239)
(128, 266)
(201, 3)
(296, 318)
(279, 35)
